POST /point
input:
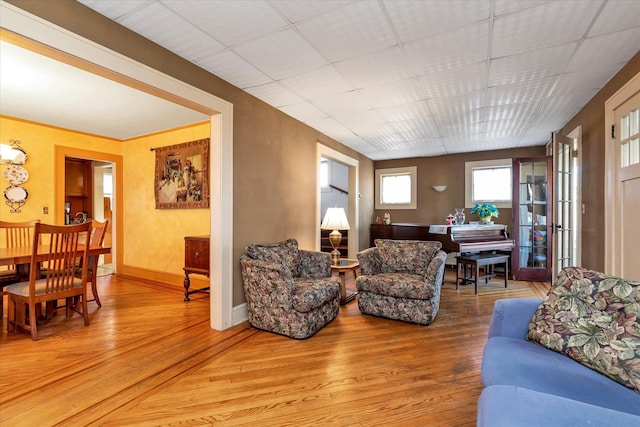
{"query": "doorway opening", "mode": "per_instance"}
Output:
(334, 193)
(88, 195)
(345, 181)
(99, 197)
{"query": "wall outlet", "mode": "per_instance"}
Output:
(45, 210)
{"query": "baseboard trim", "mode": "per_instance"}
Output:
(239, 312)
(197, 281)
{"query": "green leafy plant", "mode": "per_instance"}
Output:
(485, 210)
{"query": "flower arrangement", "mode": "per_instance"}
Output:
(485, 211)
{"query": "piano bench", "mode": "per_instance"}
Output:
(475, 261)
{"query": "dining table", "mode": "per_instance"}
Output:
(20, 256)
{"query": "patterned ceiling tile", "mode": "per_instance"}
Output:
(265, 54)
(545, 25)
(354, 30)
(230, 22)
(453, 49)
(417, 19)
(397, 93)
(234, 69)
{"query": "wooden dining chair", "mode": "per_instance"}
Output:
(59, 248)
(98, 230)
(13, 235)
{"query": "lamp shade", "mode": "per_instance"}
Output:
(335, 219)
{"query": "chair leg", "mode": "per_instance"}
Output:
(85, 312)
(33, 322)
(11, 312)
(94, 291)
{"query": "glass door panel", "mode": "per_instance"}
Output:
(532, 253)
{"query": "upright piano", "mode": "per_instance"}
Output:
(471, 237)
(454, 238)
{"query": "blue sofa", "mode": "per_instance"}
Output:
(527, 384)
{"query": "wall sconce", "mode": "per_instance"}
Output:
(439, 188)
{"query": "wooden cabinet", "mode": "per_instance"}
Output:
(196, 261)
(532, 216)
(79, 186)
(77, 177)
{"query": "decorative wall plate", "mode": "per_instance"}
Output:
(16, 156)
(16, 194)
(15, 174)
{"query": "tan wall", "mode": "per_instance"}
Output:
(433, 207)
(592, 120)
(274, 155)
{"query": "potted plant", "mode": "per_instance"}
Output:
(485, 211)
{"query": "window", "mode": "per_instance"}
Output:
(396, 188)
(488, 181)
(324, 173)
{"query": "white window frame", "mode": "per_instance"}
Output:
(484, 164)
(412, 171)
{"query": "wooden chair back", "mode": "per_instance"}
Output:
(61, 257)
(59, 247)
(16, 234)
(98, 231)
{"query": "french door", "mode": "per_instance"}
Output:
(564, 199)
(627, 133)
(532, 218)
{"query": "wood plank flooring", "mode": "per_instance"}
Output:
(148, 358)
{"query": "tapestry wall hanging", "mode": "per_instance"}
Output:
(182, 175)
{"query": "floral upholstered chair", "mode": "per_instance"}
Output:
(289, 291)
(401, 280)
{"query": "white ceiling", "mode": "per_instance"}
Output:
(403, 78)
(43, 90)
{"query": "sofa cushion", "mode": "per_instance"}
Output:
(284, 253)
(511, 316)
(406, 256)
(312, 293)
(397, 285)
(516, 406)
(594, 319)
(516, 362)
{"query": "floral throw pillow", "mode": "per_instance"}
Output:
(284, 253)
(595, 319)
(406, 256)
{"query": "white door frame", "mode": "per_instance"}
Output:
(612, 242)
(576, 135)
(322, 151)
(127, 71)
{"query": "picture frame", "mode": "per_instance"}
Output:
(182, 175)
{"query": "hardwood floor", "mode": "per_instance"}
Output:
(148, 358)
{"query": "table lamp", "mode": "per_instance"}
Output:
(335, 219)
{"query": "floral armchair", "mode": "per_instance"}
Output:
(401, 280)
(289, 291)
